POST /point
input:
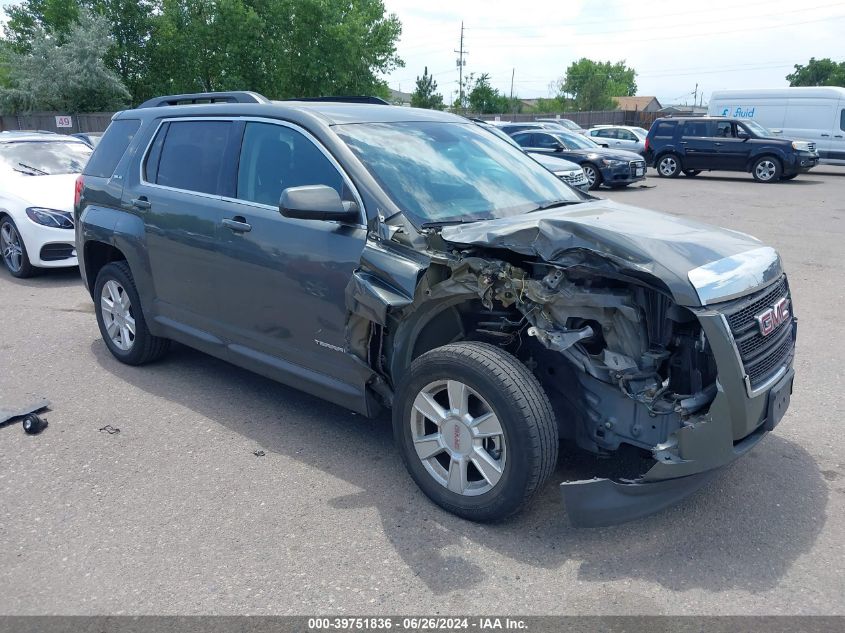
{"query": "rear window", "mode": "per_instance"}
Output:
(665, 128)
(112, 147)
(190, 156)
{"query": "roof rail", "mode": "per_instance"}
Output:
(349, 99)
(239, 96)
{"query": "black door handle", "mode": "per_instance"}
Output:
(825, 135)
(838, 136)
(141, 203)
(238, 224)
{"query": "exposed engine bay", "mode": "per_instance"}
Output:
(621, 362)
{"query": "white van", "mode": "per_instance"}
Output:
(813, 114)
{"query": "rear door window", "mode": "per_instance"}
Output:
(545, 141)
(191, 156)
(842, 120)
(696, 128)
(111, 148)
(275, 157)
(605, 133)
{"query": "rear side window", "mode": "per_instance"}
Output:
(275, 157)
(696, 128)
(605, 133)
(111, 148)
(665, 128)
(189, 155)
(842, 120)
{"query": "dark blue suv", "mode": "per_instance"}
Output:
(692, 145)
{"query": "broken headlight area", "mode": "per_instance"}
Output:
(621, 362)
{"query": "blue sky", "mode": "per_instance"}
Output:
(672, 45)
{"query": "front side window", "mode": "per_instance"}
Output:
(45, 158)
(452, 172)
(724, 129)
(546, 141)
(625, 135)
(190, 155)
(275, 157)
(576, 141)
(842, 120)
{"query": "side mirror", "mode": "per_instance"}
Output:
(559, 147)
(604, 145)
(317, 202)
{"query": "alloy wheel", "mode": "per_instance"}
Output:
(590, 173)
(117, 314)
(458, 438)
(668, 166)
(11, 247)
(765, 170)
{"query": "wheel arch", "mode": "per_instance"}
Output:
(96, 255)
(769, 153)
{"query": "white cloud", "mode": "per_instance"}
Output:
(723, 44)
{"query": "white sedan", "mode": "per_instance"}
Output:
(38, 172)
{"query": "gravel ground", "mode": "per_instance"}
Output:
(175, 514)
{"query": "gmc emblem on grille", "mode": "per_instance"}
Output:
(773, 317)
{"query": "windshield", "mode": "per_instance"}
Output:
(45, 158)
(452, 172)
(575, 141)
(756, 128)
(639, 132)
(569, 125)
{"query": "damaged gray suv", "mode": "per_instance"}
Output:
(389, 257)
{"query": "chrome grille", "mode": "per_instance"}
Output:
(812, 146)
(634, 165)
(762, 356)
(576, 179)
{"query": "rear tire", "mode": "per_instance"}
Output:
(13, 250)
(593, 175)
(669, 166)
(121, 320)
(766, 169)
(475, 429)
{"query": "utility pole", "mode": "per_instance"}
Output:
(695, 95)
(513, 72)
(461, 62)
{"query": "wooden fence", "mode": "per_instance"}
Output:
(50, 122)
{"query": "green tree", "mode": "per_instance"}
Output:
(425, 95)
(68, 76)
(592, 85)
(484, 98)
(5, 61)
(54, 17)
(818, 72)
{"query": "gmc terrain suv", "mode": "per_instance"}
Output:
(381, 256)
(691, 145)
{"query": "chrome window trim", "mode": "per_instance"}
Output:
(247, 119)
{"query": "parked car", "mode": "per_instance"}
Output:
(814, 114)
(691, 145)
(37, 175)
(92, 138)
(569, 172)
(612, 167)
(567, 124)
(512, 128)
(380, 256)
(620, 136)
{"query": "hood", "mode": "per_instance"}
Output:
(51, 192)
(604, 152)
(554, 163)
(698, 264)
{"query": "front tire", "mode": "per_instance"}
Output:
(13, 250)
(691, 173)
(593, 175)
(766, 169)
(121, 320)
(789, 177)
(475, 430)
(669, 166)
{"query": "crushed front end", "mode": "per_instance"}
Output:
(633, 367)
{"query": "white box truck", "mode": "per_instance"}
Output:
(813, 114)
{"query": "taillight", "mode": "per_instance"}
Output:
(77, 192)
(646, 143)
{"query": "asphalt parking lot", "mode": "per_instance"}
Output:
(176, 514)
